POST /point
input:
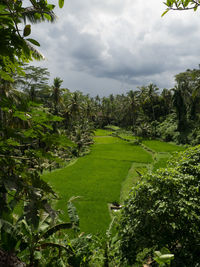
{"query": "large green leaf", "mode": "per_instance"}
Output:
(167, 10)
(33, 41)
(55, 245)
(61, 3)
(56, 228)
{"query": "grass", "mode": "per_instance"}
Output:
(127, 137)
(122, 151)
(112, 127)
(107, 140)
(161, 161)
(97, 178)
(97, 181)
(102, 132)
(104, 176)
(159, 146)
(132, 178)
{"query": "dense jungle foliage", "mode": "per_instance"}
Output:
(44, 126)
(163, 210)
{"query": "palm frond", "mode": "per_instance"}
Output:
(55, 245)
(35, 53)
(57, 228)
(36, 15)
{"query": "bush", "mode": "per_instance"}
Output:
(194, 136)
(164, 211)
(167, 130)
(187, 162)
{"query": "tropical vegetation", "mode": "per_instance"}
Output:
(59, 148)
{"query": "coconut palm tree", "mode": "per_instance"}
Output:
(132, 106)
(56, 94)
(166, 98)
(180, 107)
(152, 94)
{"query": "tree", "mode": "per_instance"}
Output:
(56, 94)
(75, 107)
(132, 106)
(166, 101)
(26, 143)
(190, 81)
(163, 210)
(34, 82)
(16, 47)
(148, 98)
(180, 107)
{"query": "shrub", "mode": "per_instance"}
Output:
(194, 136)
(163, 210)
(187, 162)
(167, 129)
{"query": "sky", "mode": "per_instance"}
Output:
(112, 46)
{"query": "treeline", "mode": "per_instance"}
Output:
(168, 114)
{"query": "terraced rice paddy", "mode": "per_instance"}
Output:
(104, 176)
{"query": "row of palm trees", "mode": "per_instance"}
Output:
(147, 106)
(142, 110)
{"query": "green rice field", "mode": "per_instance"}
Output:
(104, 176)
(159, 146)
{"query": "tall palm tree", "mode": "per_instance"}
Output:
(180, 107)
(152, 93)
(56, 97)
(166, 97)
(75, 105)
(9, 97)
(56, 94)
(194, 103)
(132, 106)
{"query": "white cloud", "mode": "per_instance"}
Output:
(119, 43)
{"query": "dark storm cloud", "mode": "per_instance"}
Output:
(119, 42)
(87, 54)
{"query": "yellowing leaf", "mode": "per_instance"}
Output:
(61, 3)
(27, 30)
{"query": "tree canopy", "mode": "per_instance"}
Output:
(162, 210)
(16, 45)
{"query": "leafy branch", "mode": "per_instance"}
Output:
(181, 5)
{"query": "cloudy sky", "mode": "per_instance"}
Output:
(111, 46)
